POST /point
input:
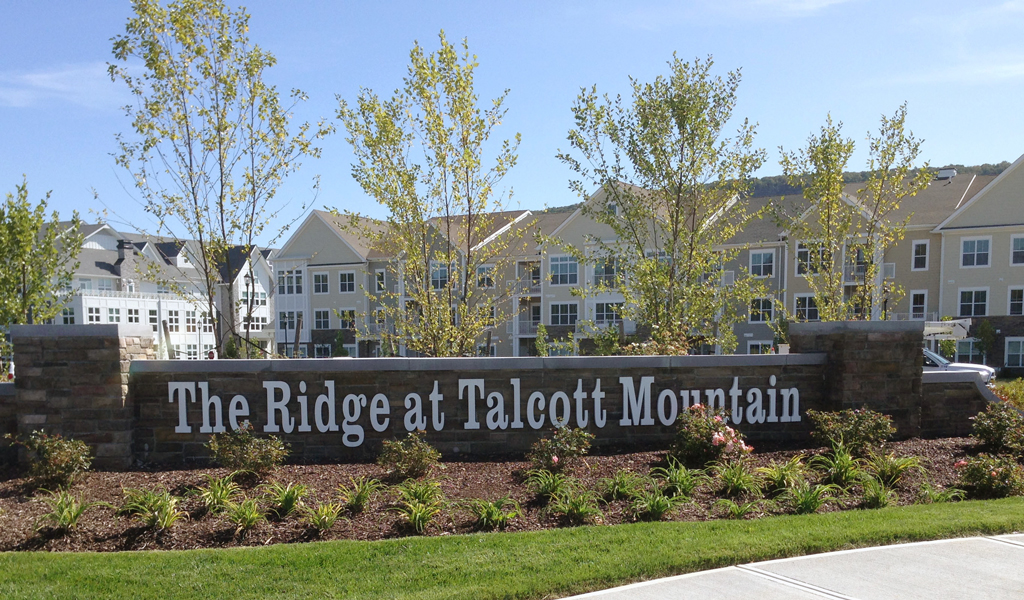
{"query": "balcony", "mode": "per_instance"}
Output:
(854, 274)
(522, 327)
(590, 329)
(526, 286)
(918, 316)
(119, 294)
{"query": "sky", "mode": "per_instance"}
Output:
(959, 66)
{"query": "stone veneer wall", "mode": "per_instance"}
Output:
(951, 398)
(871, 364)
(73, 380)
(8, 421)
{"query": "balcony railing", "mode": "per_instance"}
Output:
(854, 274)
(920, 316)
(522, 327)
(524, 286)
(586, 328)
(120, 294)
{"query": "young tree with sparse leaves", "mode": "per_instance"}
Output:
(423, 155)
(678, 183)
(212, 142)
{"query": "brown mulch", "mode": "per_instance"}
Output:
(100, 530)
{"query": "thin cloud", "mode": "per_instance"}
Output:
(981, 73)
(799, 6)
(84, 85)
(661, 15)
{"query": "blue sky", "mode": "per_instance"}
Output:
(959, 65)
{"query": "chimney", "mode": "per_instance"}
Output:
(126, 263)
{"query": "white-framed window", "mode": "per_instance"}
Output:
(85, 284)
(347, 319)
(608, 312)
(1017, 250)
(106, 285)
(805, 263)
(973, 302)
(1015, 302)
(381, 282)
(762, 263)
(564, 313)
(162, 288)
(919, 261)
(485, 350)
(129, 287)
(154, 320)
(207, 322)
(207, 349)
(439, 273)
(968, 351)
(485, 276)
(974, 252)
(1014, 355)
(173, 321)
(563, 270)
(321, 350)
(321, 319)
(133, 315)
(761, 310)
(286, 320)
(612, 208)
(805, 307)
(191, 321)
(113, 315)
(68, 315)
(918, 305)
(320, 284)
(759, 347)
(263, 298)
(351, 349)
(289, 282)
(606, 274)
(347, 282)
(192, 351)
(179, 353)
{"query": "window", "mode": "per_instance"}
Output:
(263, 298)
(806, 307)
(1016, 303)
(133, 315)
(564, 313)
(178, 352)
(1014, 352)
(761, 347)
(563, 270)
(207, 323)
(321, 319)
(381, 282)
(967, 351)
(1017, 250)
(535, 314)
(153, 320)
(192, 351)
(438, 275)
(113, 315)
(191, 322)
(606, 274)
(173, 321)
(289, 282)
(106, 285)
(348, 319)
(320, 285)
(761, 310)
(85, 284)
(346, 282)
(93, 314)
(485, 350)
(129, 287)
(69, 316)
(207, 349)
(608, 312)
(806, 263)
(321, 350)
(762, 264)
(485, 276)
(920, 261)
(663, 256)
(286, 320)
(611, 208)
(973, 303)
(974, 252)
(918, 304)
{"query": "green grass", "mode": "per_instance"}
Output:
(498, 565)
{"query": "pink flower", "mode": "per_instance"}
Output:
(748, 448)
(994, 474)
(728, 447)
(718, 439)
(960, 464)
(730, 430)
(696, 407)
(554, 460)
(718, 419)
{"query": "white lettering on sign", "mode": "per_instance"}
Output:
(753, 406)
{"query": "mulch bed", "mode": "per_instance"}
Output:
(100, 530)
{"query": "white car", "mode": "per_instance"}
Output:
(934, 362)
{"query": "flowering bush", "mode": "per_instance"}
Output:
(1000, 427)
(553, 453)
(703, 436)
(859, 431)
(987, 476)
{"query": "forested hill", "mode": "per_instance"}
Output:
(776, 185)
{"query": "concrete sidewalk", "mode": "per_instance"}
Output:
(981, 567)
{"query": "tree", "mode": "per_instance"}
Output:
(421, 155)
(848, 240)
(38, 258)
(674, 186)
(212, 142)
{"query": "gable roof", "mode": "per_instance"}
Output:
(990, 194)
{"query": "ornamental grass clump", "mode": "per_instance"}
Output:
(889, 468)
(65, 512)
(157, 509)
(859, 431)
(703, 436)
(53, 459)
(244, 516)
(556, 452)
(218, 492)
(777, 477)
(285, 499)
(241, 450)
(737, 478)
(876, 493)
(737, 510)
(987, 476)
(805, 498)
(1000, 427)
(677, 480)
(323, 516)
(358, 494)
(489, 515)
(653, 504)
(408, 457)
(576, 505)
(622, 485)
(546, 484)
(839, 467)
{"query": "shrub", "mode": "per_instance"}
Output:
(244, 516)
(409, 457)
(677, 480)
(547, 484)
(284, 499)
(323, 516)
(490, 515)
(777, 477)
(1011, 391)
(54, 460)
(419, 515)
(355, 497)
(576, 505)
(156, 509)
(986, 476)
(859, 431)
(555, 452)
(241, 450)
(653, 505)
(218, 492)
(423, 492)
(877, 494)
(624, 484)
(1000, 427)
(733, 510)
(890, 469)
(737, 478)
(65, 511)
(929, 494)
(703, 437)
(839, 467)
(805, 498)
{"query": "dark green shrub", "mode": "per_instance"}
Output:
(839, 467)
(653, 504)
(578, 506)
(889, 469)
(703, 436)
(54, 460)
(624, 484)
(859, 431)
(409, 457)
(737, 478)
(986, 476)
(547, 484)
(677, 480)
(1000, 427)
(241, 450)
(778, 476)
(490, 515)
(555, 452)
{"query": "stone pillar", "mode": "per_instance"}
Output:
(871, 364)
(73, 380)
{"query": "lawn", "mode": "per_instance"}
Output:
(538, 564)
